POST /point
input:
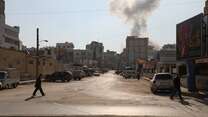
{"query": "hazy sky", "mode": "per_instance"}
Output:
(82, 21)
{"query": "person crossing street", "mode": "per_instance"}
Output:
(38, 86)
(177, 88)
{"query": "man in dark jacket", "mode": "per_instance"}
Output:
(38, 86)
(177, 88)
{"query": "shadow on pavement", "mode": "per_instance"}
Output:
(202, 98)
(32, 97)
(163, 93)
(186, 103)
(168, 93)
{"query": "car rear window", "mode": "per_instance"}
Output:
(163, 77)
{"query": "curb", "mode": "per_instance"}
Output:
(27, 82)
(146, 78)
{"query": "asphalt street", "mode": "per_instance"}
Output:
(106, 95)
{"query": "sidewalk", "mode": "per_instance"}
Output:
(200, 96)
(27, 82)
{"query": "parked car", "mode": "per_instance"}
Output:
(96, 74)
(1, 85)
(103, 70)
(88, 72)
(118, 72)
(78, 74)
(162, 81)
(60, 76)
(83, 74)
(9, 78)
(129, 74)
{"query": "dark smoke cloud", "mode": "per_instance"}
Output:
(134, 12)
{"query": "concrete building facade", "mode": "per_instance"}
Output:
(152, 53)
(83, 57)
(9, 35)
(123, 59)
(111, 60)
(64, 52)
(167, 59)
(206, 8)
(66, 45)
(97, 50)
(26, 64)
(137, 48)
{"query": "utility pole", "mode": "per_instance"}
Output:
(37, 54)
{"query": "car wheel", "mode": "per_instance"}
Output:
(16, 85)
(13, 85)
(7, 86)
(63, 80)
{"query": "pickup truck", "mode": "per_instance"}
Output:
(9, 79)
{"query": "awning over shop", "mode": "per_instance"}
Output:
(163, 63)
(203, 60)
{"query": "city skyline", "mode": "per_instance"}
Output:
(82, 23)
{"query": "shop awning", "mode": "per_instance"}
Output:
(203, 60)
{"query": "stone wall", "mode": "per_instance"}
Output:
(26, 64)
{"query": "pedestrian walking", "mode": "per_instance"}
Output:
(138, 75)
(38, 86)
(176, 88)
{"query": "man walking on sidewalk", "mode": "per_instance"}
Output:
(38, 86)
(177, 88)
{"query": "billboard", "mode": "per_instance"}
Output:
(189, 38)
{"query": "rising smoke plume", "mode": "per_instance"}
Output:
(134, 12)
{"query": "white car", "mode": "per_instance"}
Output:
(161, 81)
(1, 85)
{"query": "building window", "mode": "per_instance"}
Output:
(11, 33)
(11, 41)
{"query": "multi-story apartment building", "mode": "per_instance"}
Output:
(111, 59)
(136, 48)
(97, 50)
(64, 52)
(9, 35)
(167, 59)
(83, 57)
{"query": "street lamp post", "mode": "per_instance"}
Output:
(37, 53)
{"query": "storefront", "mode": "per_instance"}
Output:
(191, 49)
(201, 73)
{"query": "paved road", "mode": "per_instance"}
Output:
(108, 94)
